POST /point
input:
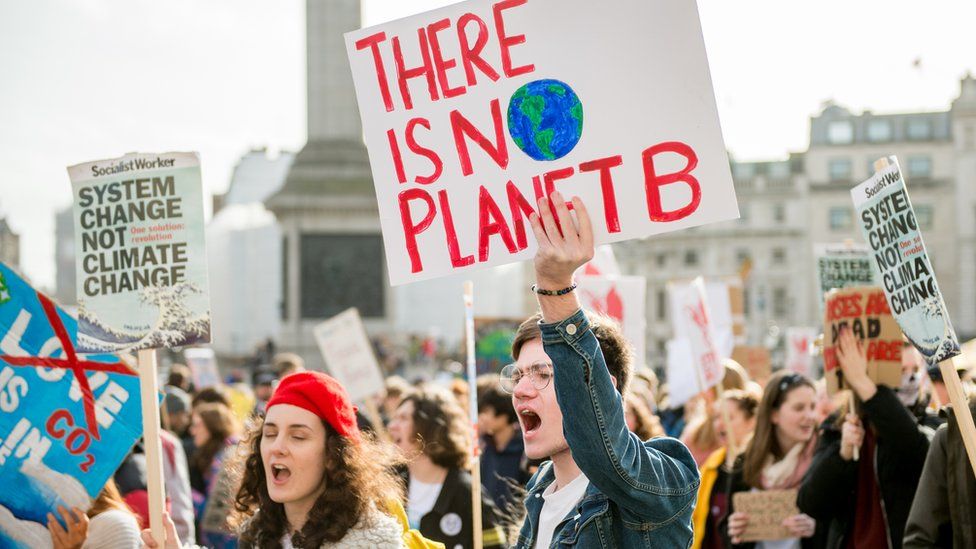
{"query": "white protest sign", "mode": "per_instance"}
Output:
(622, 299)
(141, 257)
(473, 111)
(901, 264)
(721, 318)
(349, 355)
(694, 315)
(798, 343)
(683, 382)
(203, 365)
(842, 265)
(604, 263)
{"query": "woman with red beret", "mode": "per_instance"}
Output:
(312, 480)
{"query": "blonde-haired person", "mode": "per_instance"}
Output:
(108, 524)
(716, 474)
(699, 434)
(640, 420)
(779, 455)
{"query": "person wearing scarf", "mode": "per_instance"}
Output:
(778, 457)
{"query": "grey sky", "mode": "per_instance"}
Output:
(87, 79)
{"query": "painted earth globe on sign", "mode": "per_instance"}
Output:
(545, 119)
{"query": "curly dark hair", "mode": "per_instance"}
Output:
(359, 477)
(442, 427)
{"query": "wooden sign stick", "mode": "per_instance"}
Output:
(473, 414)
(148, 386)
(960, 407)
(852, 403)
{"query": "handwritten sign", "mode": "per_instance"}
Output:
(622, 299)
(798, 344)
(474, 111)
(66, 420)
(865, 311)
(349, 355)
(767, 510)
(755, 360)
(141, 260)
(902, 265)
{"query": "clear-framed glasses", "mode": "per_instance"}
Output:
(540, 375)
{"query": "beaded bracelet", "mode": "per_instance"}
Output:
(564, 291)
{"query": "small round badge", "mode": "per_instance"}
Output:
(451, 524)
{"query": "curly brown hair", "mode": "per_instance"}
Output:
(442, 427)
(359, 479)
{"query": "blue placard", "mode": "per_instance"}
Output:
(66, 421)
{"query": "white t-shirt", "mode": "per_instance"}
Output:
(421, 497)
(556, 505)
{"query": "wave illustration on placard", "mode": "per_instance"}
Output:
(176, 324)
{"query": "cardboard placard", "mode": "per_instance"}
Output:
(61, 436)
(473, 111)
(755, 360)
(902, 265)
(767, 510)
(141, 258)
(349, 355)
(621, 298)
(866, 312)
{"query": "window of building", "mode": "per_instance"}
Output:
(661, 259)
(839, 169)
(841, 217)
(746, 302)
(284, 277)
(924, 216)
(779, 170)
(744, 171)
(919, 166)
(779, 256)
(743, 211)
(840, 132)
(879, 131)
(870, 163)
(662, 305)
(339, 271)
(691, 258)
(919, 130)
(779, 302)
(779, 212)
(742, 255)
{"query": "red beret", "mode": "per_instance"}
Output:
(323, 396)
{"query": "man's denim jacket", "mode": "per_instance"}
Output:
(641, 494)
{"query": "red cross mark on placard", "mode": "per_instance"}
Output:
(71, 362)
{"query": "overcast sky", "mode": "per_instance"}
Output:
(89, 79)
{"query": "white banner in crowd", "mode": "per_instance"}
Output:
(141, 257)
(719, 306)
(349, 355)
(683, 382)
(901, 264)
(622, 299)
(473, 111)
(203, 365)
(694, 315)
(798, 343)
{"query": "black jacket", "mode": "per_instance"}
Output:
(449, 522)
(829, 489)
(944, 511)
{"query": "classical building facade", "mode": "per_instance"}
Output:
(789, 206)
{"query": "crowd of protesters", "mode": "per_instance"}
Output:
(578, 445)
